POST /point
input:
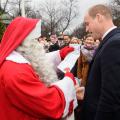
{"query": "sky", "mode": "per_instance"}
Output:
(83, 5)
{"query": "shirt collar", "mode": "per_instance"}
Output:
(108, 31)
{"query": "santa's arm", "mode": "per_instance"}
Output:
(29, 95)
(56, 56)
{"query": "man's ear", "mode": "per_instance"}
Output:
(99, 17)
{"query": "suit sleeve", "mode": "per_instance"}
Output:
(109, 101)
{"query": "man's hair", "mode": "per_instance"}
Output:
(88, 35)
(101, 9)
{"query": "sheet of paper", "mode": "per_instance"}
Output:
(70, 59)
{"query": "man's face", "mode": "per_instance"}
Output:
(66, 39)
(53, 39)
(92, 26)
(74, 41)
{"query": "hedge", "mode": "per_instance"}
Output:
(2, 29)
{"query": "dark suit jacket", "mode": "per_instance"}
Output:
(54, 47)
(102, 96)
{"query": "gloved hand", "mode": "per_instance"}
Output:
(70, 75)
(64, 51)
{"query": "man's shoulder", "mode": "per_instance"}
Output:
(113, 36)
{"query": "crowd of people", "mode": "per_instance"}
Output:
(55, 42)
(32, 87)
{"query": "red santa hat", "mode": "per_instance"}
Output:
(14, 35)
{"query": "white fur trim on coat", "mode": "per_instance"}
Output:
(54, 57)
(66, 85)
(16, 57)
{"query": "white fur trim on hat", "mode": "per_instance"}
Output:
(36, 32)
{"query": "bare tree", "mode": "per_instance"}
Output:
(115, 6)
(13, 8)
(79, 31)
(69, 13)
(58, 17)
(3, 7)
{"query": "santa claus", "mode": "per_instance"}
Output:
(29, 87)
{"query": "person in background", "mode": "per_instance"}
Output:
(74, 40)
(29, 87)
(97, 42)
(86, 54)
(66, 40)
(102, 92)
(54, 43)
(43, 41)
(60, 41)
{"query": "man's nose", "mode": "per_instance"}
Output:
(86, 29)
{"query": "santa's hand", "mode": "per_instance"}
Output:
(70, 75)
(80, 92)
(64, 51)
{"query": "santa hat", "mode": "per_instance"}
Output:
(15, 34)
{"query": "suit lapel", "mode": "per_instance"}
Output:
(109, 35)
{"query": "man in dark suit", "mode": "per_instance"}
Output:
(102, 93)
(54, 43)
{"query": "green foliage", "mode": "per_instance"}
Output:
(2, 29)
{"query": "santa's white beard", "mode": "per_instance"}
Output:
(34, 52)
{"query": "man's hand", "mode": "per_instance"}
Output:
(64, 51)
(80, 92)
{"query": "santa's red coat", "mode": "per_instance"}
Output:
(24, 97)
